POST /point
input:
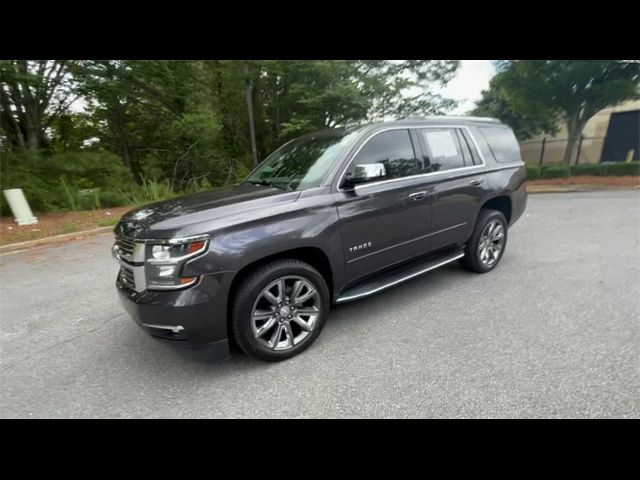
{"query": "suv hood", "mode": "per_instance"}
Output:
(163, 219)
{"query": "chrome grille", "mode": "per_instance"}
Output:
(125, 248)
(126, 275)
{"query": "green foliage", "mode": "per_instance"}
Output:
(108, 222)
(68, 228)
(572, 90)
(623, 168)
(33, 94)
(69, 193)
(115, 198)
(589, 169)
(153, 129)
(150, 191)
(533, 171)
(525, 125)
(68, 181)
(556, 171)
(567, 87)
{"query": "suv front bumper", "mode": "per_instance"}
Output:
(195, 317)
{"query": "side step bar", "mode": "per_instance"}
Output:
(397, 276)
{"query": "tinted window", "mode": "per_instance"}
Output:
(443, 147)
(393, 149)
(503, 144)
(466, 153)
(471, 146)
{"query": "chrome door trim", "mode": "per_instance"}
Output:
(420, 175)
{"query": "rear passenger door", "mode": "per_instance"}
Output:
(458, 186)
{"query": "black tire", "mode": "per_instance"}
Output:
(472, 258)
(250, 292)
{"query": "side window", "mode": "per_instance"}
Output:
(444, 149)
(471, 146)
(503, 144)
(393, 149)
(466, 152)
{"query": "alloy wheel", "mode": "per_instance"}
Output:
(491, 242)
(285, 312)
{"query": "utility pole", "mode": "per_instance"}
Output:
(252, 131)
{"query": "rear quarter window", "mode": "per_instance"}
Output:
(502, 143)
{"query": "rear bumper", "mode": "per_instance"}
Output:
(195, 317)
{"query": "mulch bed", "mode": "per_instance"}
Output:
(50, 224)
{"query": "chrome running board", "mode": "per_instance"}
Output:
(173, 328)
(397, 276)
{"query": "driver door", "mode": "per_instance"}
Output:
(387, 220)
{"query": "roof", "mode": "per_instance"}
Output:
(448, 118)
(425, 120)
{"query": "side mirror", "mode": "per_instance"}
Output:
(366, 172)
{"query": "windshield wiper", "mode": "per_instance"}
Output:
(267, 183)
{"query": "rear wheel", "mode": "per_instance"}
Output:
(487, 243)
(280, 310)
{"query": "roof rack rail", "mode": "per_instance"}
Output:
(348, 124)
(453, 117)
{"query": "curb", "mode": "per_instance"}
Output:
(20, 246)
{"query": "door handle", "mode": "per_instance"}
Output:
(417, 195)
(476, 181)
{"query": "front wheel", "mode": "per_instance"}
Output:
(280, 309)
(487, 243)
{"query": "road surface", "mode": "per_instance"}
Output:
(554, 331)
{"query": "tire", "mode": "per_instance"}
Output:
(474, 258)
(273, 333)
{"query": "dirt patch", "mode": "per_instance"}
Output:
(50, 224)
(587, 180)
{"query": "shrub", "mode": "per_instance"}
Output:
(551, 165)
(556, 171)
(624, 168)
(112, 198)
(533, 171)
(589, 169)
(66, 181)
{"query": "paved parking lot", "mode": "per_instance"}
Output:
(552, 332)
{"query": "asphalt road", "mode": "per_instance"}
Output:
(554, 331)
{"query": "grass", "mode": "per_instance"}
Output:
(107, 222)
(68, 228)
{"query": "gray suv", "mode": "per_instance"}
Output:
(329, 217)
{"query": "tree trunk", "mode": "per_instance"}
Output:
(575, 126)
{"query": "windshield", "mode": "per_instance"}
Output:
(302, 163)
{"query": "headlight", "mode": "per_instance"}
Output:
(165, 260)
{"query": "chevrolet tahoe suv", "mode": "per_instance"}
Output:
(330, 217)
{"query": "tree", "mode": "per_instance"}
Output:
(573, 90)
(494, 104)
(299, 96)
(32, 95)
(399, 89)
